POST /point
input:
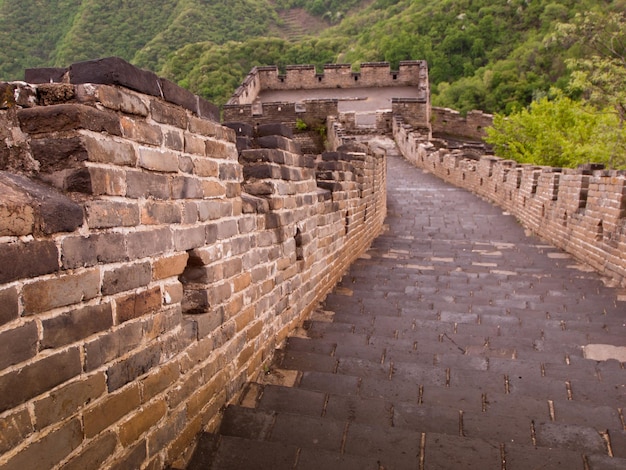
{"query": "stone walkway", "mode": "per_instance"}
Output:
(456, 342)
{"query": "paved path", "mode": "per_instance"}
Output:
(455, 343)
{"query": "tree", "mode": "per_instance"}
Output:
(558, 132)
(599, 75)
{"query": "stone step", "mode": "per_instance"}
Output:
(359, 433)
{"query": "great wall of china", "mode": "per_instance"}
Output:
(152, 259)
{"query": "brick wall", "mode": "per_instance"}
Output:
(147, 268)
(579, 210)
(449, 122)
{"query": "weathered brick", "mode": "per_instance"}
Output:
(67, 117)
(169, 266)
(155, 212)
(227, 229)
(141, 131)
(9, 306)
(166, 432)
(107, 214)
(121, 100)
(213, 210)
(144, 419)
(94, 454)
(213, 189)
(195, 145)
(134, 366)
(54, 212)
(134, 458)
(107, 181)
(37, 377)
(67, 400)
(112, 345)
(178, 95)
(50, 449)
(158, 159)
(68, 289)
(127, 277)
(138, 304)
(205, 167)
(203, 127)
(184, 187)
(14, 428)
(148, 243)
(115, 71)
(231, 171)
(58, 153)
(168, 114)
(141, 184)
(109, 410)
(76, 325)
(88, 251)
(18, 344)
(159, 380)
(173, 139)
(173, 293)
(188, 238)
(17, 216)
(101, 150)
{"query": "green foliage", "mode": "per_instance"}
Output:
(558, 132)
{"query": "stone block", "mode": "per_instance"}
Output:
(67, 400)
(138, 304)
(9, 305)
(227, 229)
(272, 129)
(121, 100)
(17, 216)
(132, 458)
(113, 344)
(173, 293)
(109, 410)
(188, 238)
(38, 377)
(167, 114)
(88, 251)
(178, 95)
(147, 243)
(132, 367)
(159, 380)
(36, 258)
(208, 110)
(107, 181)
(156, 213)
(195, 145)
(173, 139)
(94, 454)
(50, 449)
(115, 71)
(126, 277)
(53, 211)
(213, 189)
(205, 167)
(14, 428)
(171, 266)
(144, 419)
(184, 187)
(144, 185)
(241, 128)
(68, 117)
(141, 131)
(108, 214)
(69, 289)
(58, 153)
(107, 150)
(18, 344)
(204, 127)
(158, 160)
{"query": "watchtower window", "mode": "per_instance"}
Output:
(395, 76)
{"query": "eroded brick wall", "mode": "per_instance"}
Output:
(581, 211)
(147, 269)
(448, 122)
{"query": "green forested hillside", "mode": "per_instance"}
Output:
(494, 55)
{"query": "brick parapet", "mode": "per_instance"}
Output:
(148, 270)
(581, 211)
